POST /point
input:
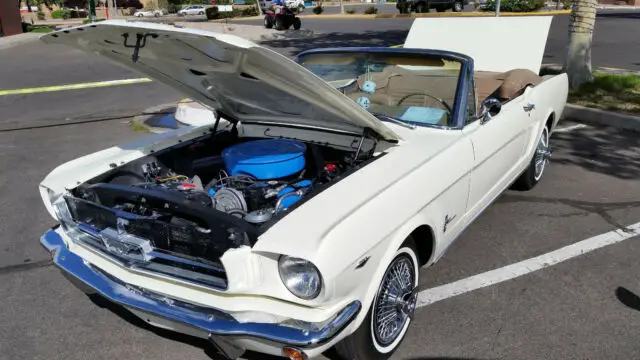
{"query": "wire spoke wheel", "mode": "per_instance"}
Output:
(395, 301)
(543, 152)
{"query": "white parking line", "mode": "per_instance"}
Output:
(570, 128)
(430, 296)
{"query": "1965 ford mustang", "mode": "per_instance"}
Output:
(300, 218)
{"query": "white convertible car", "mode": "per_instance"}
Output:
(300, 218)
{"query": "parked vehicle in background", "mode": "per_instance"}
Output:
(423, 6)
(148, 13)
(192, 10)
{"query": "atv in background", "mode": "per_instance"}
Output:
(281, 15)
(423, 6)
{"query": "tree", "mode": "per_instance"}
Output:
(578, 61)
(341, 7)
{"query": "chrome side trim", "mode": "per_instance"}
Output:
(214, 322)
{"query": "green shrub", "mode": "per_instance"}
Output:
(318, 10)
(86, 21)
(212, 13)
(371, 10)
(567, 4)
(26, 27)
(515, 5)
(61, 14)
(350, 11)
(250, 11)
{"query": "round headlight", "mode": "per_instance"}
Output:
(300, 277)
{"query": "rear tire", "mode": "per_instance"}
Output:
(422, 7)
(533, 174)
(268, 21)
(376, 339)
(457, 7)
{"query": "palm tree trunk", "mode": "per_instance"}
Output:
(341, 7)
(578, 62)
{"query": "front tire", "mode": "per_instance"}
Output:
(533, 174)
(297, 23)
(278, 24)
(457, 7)
(389, 317)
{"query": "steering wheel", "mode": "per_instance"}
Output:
(444, 103)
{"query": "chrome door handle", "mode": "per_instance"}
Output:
(528, 107)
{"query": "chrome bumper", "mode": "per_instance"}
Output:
(221, 328)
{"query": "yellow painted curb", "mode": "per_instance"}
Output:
(435, 14)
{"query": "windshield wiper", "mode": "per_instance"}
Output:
(388, 118)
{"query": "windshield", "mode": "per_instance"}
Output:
(417, 89)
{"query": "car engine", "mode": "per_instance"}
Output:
(189, 202)
(258, 180)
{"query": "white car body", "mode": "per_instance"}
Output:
(457, 172)
(192, 10)
(148, 13)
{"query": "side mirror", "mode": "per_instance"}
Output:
(490, 108)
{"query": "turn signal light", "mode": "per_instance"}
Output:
(294, 354)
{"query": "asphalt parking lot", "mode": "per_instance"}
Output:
(586, 307)
(570, 310)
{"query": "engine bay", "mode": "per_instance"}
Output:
(211, 194)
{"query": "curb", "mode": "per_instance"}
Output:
(436, 14)
(599, 117)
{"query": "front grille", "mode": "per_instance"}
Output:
(174, 248)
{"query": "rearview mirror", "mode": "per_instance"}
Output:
(490, 108)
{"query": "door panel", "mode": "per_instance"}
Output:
(499, 146)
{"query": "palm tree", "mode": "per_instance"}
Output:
(578, 62)
(341, 7)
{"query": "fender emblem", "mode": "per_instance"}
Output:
(362, 262)
(447, 220)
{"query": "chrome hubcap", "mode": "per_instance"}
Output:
(542, 155)
(396, 301)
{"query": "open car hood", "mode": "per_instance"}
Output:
(495, 43)
(236, 77)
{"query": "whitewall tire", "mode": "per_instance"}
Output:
(391, 311)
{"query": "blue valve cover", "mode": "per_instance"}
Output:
(265, 159)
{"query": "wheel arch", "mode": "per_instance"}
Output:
(425, 241)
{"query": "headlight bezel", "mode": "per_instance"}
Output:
(285, 277)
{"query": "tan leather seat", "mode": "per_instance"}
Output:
(505, 86)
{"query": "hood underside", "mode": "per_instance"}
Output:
(236, 77)
(495, 43)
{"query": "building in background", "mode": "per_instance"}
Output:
(10, 21)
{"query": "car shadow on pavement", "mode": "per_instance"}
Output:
(628, 298)
(610, 151)
(203, 344)
(338, 39)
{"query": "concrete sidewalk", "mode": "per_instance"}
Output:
(13, 40)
